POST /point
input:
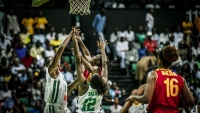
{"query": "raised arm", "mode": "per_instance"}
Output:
(128, 104)
(81, 79)
(86, 53)
(56, 58)
(148, 92)
(102, 44)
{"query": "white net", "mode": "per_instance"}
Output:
(81, 7)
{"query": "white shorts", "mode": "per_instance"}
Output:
(56, 109)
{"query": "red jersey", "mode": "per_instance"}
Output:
(168, 89)
(86, 73)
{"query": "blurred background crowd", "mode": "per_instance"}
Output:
(25, 43)
(128, 4)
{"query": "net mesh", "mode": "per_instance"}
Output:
(81, 7)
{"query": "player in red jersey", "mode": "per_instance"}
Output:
(164, 87)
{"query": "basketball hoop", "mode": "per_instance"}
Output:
(81, 7)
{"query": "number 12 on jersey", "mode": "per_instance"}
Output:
(172, 88)
(89, 104)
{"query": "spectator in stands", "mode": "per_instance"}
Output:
(164, 37)
(35, 68)
(140, 34)
(190, 61)
(186, 71)
(63, 34)
(155, 35)
(55, 43)
(74, 102)
(123, 98)
(4, 42)
(49, 49)
(20, 50)
(41, 22)
(131, 57)
(197, 23)
(187, 24)
(143, 65)
(15, 83)
(149, 19)
(19, 107)
(51, 35)
(99, 24)
(195, 49)
(37, 93)
(19, 70)
(113, 40)
(142, 51)
(112, 90)
(12, 58)
(121, 48)
(178, 36)
(8, 51)
(28, 22)
(12, 23)
(129, 34)
(7, 76)
(11, 35)
(136, 43)
(150, 45)
(171, 41)
(5, 93)
(116, 107)
(36, 51)
(184, 47)
(38, 37)
(27, 60)
(118, 5)
(37, 107)
(9, 102)
(4, 67)
(24, 36)
(41, 61)
(67, 74)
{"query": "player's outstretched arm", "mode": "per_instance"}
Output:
(102, 45)
(127, 105)
(86, 52)
(81, 79)
(56, 58)
(148, 92)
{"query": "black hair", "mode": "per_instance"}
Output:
(97, 82)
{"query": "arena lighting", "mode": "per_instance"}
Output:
(37, 3)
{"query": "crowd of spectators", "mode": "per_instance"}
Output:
(25, 43)
(113, 4)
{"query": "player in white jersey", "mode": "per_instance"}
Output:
(56, 86)
(128, 104)
(90, 93)
(136, 107)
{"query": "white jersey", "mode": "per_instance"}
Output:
(194, 110)
(145, 108)
(136, 108)
(56, 94)
(90, 102)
